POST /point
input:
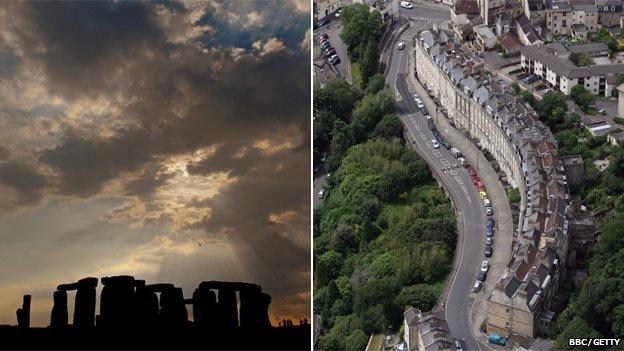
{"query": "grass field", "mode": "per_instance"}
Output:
(375, 344)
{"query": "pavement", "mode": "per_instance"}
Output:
(464, 310)
(317, 185)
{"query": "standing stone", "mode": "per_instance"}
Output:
(116, 304)
(23, 313)
(249, 300)
(227, 300)
(172, 307)
(263, 311)
(58, 319)
(84, 307)
(205, 309)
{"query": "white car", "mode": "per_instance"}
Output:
(420, 104)
(461, 160)
(321, 194)
(406, 5)
(488, 211)
(477, 286)
(435, 143)
(401, 46)
(485, 265)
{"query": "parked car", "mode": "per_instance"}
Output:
(485, 265)
(406, 5)
(401, 46)
(489, 241)
(330, 52)
(488, 211)
(488, 250)
(490, 222)
(459, 346)
(335, 59)
(481, 276)
(477, 286)
(324, 21)
(445, 144)
(489, 232)
(497, 339)
(435, 143)
(324, 36)
(424, 111)
(462, 161)
(602, 112)
(325, 45)
(321, 194)
(487, 203)
(483, 195)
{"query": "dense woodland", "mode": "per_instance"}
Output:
(385, 234)
(596, 309)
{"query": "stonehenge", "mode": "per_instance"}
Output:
(128, 303)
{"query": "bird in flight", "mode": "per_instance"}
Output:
(199, 243)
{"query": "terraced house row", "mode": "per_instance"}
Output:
(524, 300)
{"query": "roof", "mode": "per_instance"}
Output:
(510, 43)
(566, 68)
(588, 48)
(579, 27)
(527, 29)
(466, 7)
(411, 316)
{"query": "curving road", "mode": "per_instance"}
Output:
(468, 206)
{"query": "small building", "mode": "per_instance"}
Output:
(579, 30)
(620, 90)
(592, 49)
(601, 130)
(485, 37)
(511, 44)
(526, 33)
(615, 138)
(324, 8)
(574, 168)
(428, 332)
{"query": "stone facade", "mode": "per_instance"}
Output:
(526, 151)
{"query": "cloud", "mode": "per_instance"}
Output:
(178, 122)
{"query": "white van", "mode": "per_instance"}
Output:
(455, 152)
(406, 5)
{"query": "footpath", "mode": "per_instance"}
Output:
(503, 234)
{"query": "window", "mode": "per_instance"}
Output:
(599, 8)
(612, 8)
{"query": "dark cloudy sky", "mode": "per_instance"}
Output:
(131, 131)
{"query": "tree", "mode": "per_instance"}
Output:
(529, 97)
(337, 97)
(389, 127)
(585, 60)
(359, 25)
(575, 329)
(370, 110)
(368, 65)
(421, 296)
(583, 98)
(513, 195)
(376, 83)
(619, 78)
(552, 108)
(356, 341)
(327, 268)
(341, 141)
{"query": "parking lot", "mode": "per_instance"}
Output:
(332, 29)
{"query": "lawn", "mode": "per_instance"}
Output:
(375, 343)
(356, 76)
